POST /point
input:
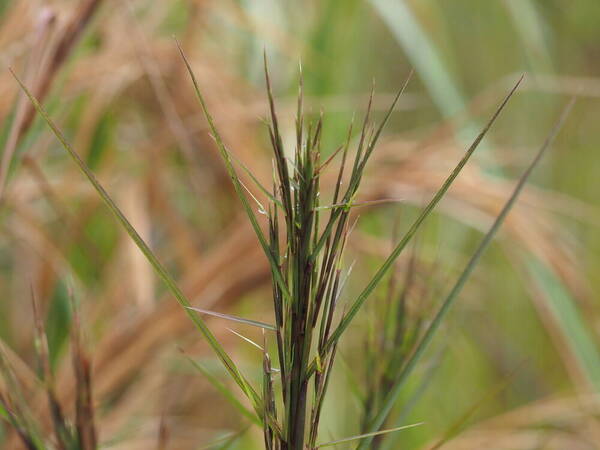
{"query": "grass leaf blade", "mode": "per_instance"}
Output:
(141, 244)
(345, 322)
(432, 329)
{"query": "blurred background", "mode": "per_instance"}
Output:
(516, 365)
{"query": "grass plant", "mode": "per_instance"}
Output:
(304, 245)
(303, 220)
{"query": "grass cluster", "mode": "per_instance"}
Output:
(304, 245)
(110, 79)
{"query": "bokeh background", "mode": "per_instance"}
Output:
(517, 364)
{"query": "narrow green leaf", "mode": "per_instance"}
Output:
(386, 118)
(356, 306)
(235, 179)
(141, 244)
(562, 307)
(359, 204)
(487, 239)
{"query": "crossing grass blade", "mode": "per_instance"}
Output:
(246, 339)
(254, 323)
(160, 270)
(453, 295)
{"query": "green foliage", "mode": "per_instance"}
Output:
(307, 268)
(58, 322)
(460, 69)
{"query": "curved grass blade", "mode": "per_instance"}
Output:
(564, 311)
(141, 244)
(433, 327)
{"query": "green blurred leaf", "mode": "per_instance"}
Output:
(101, 140)
(58, 321)
(565, 312)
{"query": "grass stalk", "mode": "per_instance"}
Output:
(305, 248)
(304, 245)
